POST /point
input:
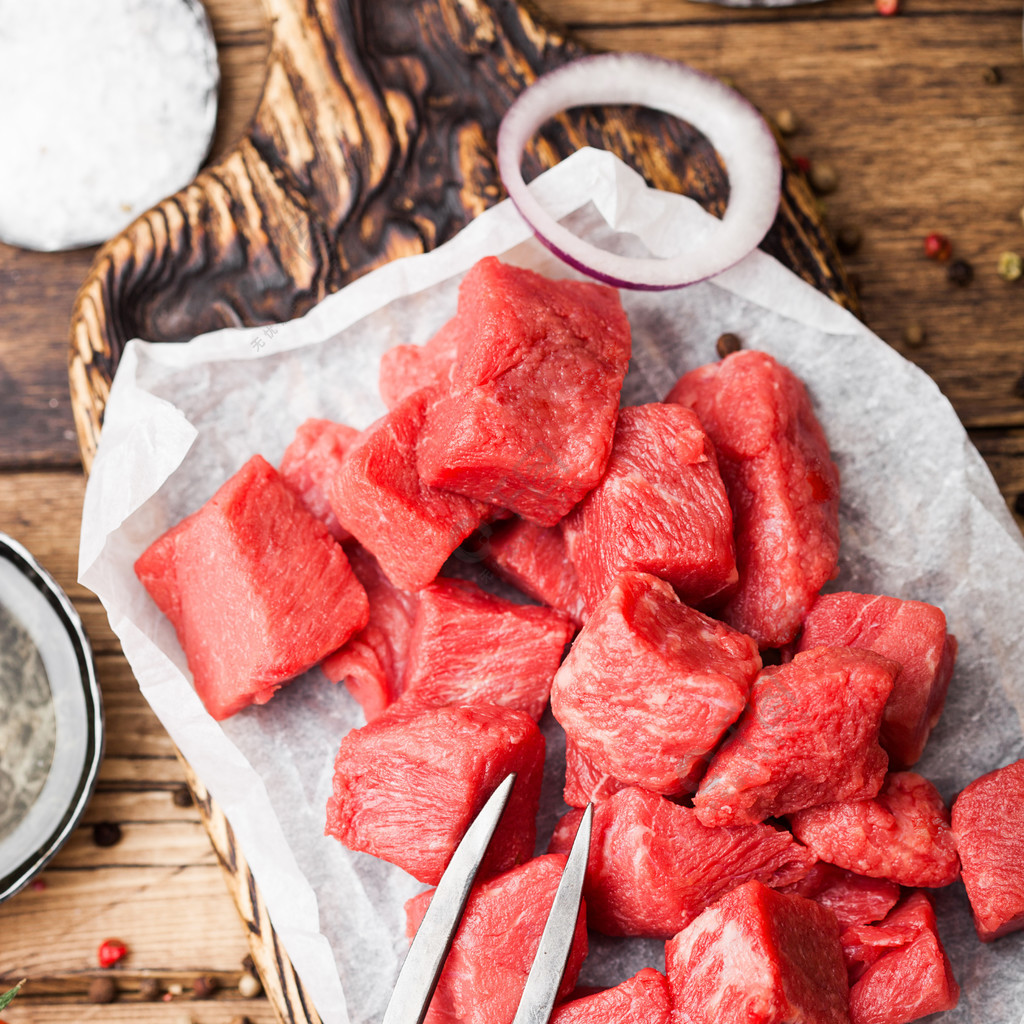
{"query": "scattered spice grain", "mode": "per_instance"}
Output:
(887, 8)
(1011, 266)
(249, 986)
(106, 833)
(182, 796)
(938, 247)
(204, 986)
(848, 239)
(110, 952)
(960, 273)
(102, 990)
(823, 178)
(914, 335)
(787, 122)
(727, 344)
(149, 990)
(992, 75)
(1018, 504)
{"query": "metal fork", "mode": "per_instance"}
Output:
(422, 968)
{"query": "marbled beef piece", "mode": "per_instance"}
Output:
(405, 369)
(256, 588)
(650, 685)
(407, 786)
(898, 969)
(528, 421)
(534, 559)
(372, 663)
(988, 821)
(782, 484)
(902, 834)
(660, 508)
(496, 941)
(854, 899)
(808, 736)
(912, 634)
(470, 647)
(760, 957)
(642, 999)
(310, 463)
(654, 867)
(410, 527)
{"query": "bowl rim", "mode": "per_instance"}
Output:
(20, 557)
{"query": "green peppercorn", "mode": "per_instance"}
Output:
(1011, 266)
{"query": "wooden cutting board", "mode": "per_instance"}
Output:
(374, 138)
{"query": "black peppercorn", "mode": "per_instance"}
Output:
(182, 797)
(848, 239)
(992, 75)
(149, 989)
(106, 833)
(1018, 504)
(727, 344)
(960, 272)
(204, 986)
(102, 990)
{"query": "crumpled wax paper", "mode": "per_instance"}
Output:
(921, 518)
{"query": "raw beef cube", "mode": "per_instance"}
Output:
(496, 941)
(902, 834)
(529, 419)
(809, 736)
(407, 786)
(405, 369)
(642, 999)
(256, 588)
(372, 663)
(760, 957)
(650, 685)
(988, 821)
(379, 498)
(661, 508)
(782, 484)
(534, 559)
(311, 462)
(854, 899)
(912, 634)
(584, 782)
(654, 867)
(470, 647)
(898, 969)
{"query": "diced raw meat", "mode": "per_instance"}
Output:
(311, 462)
(912, 634)
(470, 647)
(584, 782)
(529, 419)
(898, 969)
(902, 834)
(809, 736)
(642, 999)
(372, 663)
(497, 939)
(650, 685)
(988, 821)
(380, 499)
(760, 957)
(660, 508)
(405, 369)
(407, 786)
(782, 484)
(534, 559)
(654, 867)
(256, 588)
(854, 899)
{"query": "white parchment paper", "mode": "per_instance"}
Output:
(921, 518)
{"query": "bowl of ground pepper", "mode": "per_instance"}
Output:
(51, 717)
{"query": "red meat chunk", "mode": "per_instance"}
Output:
(988, 821)
(661, 508)
(584, 782)
(854, 899)
(534, 559)
(372, 663)
(470, 647)
(654, 867)
(650, 685)
(912, 634)
(405, 369)
(902, 834)
(426, 776)
(642, 999)
(809, 736)
(496, 941)
(898, 969)
(760, 957)
(379, 498)
(311, 462)
(256, 588)
(529, 419)
(782, 484)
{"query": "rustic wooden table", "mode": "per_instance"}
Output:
(921, 115)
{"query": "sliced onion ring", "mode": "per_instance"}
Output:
(732, 125)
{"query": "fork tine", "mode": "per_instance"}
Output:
(422, 967)
(556, 941)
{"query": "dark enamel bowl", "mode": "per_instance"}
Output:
(51, 717)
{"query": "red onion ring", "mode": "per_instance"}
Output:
(732, 125)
